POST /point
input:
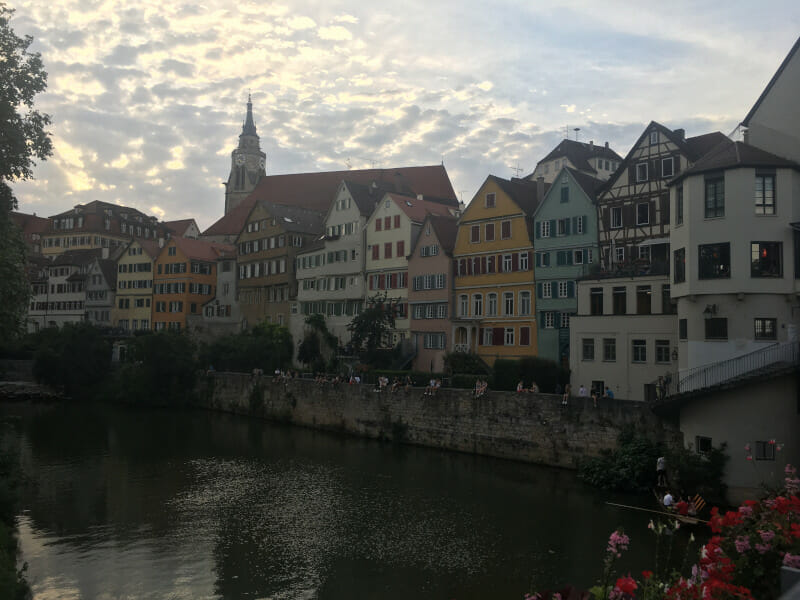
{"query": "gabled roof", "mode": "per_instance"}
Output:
(730, 154)
(150, 247)
(200, 250)
(367, 196)
(523, 192)
(579, 154)
(417, 210)
(315, 191)
(29, 224)
(108, 268)
(771, 83)
(179, 227)
(590, 185)
(693, 148)
(77, 257)
(296, 219)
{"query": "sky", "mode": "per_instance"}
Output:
(147, 98)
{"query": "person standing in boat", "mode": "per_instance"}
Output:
(669, 501)
(661, 472)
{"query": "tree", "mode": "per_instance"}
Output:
(369, 329)
(22, 139)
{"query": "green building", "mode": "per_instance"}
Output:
(566, 249)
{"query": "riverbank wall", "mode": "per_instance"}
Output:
(533, 428)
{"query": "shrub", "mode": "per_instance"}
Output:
(464, 362)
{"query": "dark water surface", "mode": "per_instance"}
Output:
(145, 503)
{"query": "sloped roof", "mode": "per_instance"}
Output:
(315, 191)
(524, 192)
(367, 196)
(180, 226)
(730, 154)
(77, 257)
(417, 210)
(318, 244)
(296, 219)
(590, 185)
(579, 154)
(200, 250)
(772, 82)
(109, 269)
(150, 247)
(446, 228)
(699, 145)
(29, 224)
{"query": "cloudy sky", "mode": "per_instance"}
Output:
(147, 98)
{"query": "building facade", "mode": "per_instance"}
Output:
(430, 292)
(133, 307)
(101, 285)
(494, 314)
(599, 162)
(565, 232)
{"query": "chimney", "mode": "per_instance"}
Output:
(540, 187)
(681, 133)
(606, 145)
(104, 253)
(591, 144)
(746, 135)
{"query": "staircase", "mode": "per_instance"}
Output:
(765, 361)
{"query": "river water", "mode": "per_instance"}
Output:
(121, 502)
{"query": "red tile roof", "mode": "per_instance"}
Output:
(200, 250)
(417, 210)
(316, 191)
(180, 226)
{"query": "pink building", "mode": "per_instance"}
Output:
(430, 293)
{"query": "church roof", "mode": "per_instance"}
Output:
(316, 191)
(249, 127)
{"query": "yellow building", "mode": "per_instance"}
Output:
(494, 315)
(134, 295)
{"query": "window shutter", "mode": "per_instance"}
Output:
(553, 229)
(483, 264)
(538, 260)
(524, 336)
(570, 289)
(538, 290)
(515, 261)
(546, 259)
(606, 218)
(676, 164)
(560, 258)
(541, 320)
(664, 209)
(568, 256)
(381, 282)
(566, 226)
(575, 224)
(371, 283)
(557, 320)
(497, 336)
(583, 223)
(393, 281)
(480, 336)
(530, 259)
(538, 230)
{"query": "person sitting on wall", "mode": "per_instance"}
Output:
(534, 389)
(395, 383)
(608, 393)
(594, 398)
(408, 383)
(521, 387)
(429, 387)
(436, 385)
(582, 391)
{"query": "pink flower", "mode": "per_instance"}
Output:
(745, 511)
(792, 560)
(766, 536)
(617, 542)
(742, 544)
(762, 548)
(749, 458)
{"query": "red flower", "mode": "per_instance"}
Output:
(647, 574)
(626, 585)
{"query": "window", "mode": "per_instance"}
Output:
(667, 307)
(643, 213)
(523, 261)
(489, 232)
(490, 200)
(387, 250)
(639, 351)
(172, 251)
(641, 171)
(378, 224)
(577, 257)
(587, 346)
(397, 221)
(596, 301)
(667, 167)
(716, 328)
(463, 305)
(766, 259)
(505, 230)
(477, 305)
(644, 253)
(563, 289)
(542, 259)
(475, 234)
(714, 261)
(508, 303)
(609, 349)
(765, 329)
(702, 444)
(401, 248)
(715, 196)
(508, 336)
(643, 300)
(679, 272)
(765, 194)
(548, 319)
(765, 450)
(683, 330)
(524, 303)
(506, 263)
(545, 229)
(662, 351)
(487, 336)
(619, 254)
(564, 320)
(491, 305)
(579, 224)
(616, 217)
(653, 138)
(547, 289)
(620, 302)
(387, 223)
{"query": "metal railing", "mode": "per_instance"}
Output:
(724, 371)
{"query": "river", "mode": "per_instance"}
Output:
(125, 502)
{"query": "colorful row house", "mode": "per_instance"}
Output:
(494, 280)
(133, 310)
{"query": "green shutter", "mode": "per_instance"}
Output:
(570, 289)
(538, 290)
(538, 230)
(566, 226)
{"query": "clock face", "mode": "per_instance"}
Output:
(240, 159)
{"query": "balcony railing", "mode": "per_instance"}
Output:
(726, 371)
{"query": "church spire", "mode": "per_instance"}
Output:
(249, 127)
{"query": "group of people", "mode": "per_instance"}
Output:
(481, 387)
(281, 376)
(521, 389)
(432, 387)
(405, 383)
(684, 507)
(322, 379)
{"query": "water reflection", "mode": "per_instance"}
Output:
(121, 502)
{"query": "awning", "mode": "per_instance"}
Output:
(653, 242)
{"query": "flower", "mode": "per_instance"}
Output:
(626, 585)
(762, 548)
(746, 511)
(766, 536)
(617, 542)
(791, 560)
(647, 574)
(742, 544)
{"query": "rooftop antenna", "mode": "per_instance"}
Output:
(566, 132)
(576, 130)
(517, 170)
(461, 192)
(371, 161)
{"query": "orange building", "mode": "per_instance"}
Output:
(185, 278)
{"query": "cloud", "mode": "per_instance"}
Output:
(335, 32)
(570, 108)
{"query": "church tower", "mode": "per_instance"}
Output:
(248, 163)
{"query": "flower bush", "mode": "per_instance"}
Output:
(741, 561)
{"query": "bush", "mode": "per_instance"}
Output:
(266, 346)
(546, 373)
(459, 363)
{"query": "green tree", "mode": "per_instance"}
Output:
(370, 328)
(22, 139)
(75, 358)
(266, 346)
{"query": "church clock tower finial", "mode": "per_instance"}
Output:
(248, 163)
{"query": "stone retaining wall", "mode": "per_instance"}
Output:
(529, 427)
